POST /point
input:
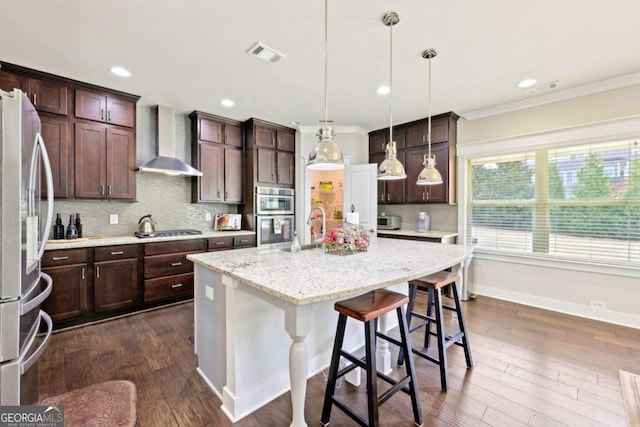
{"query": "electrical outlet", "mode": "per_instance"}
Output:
(113, 219)
(207, 216)
(600, 305)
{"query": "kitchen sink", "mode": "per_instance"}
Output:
(305, 247)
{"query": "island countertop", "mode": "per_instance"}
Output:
(312, 276)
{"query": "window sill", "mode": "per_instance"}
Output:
(592, 267)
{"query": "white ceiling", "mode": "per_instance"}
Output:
(189, 54)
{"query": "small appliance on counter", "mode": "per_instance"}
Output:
(423, 222)
(146, 224)
(389, 222)
(228, 222)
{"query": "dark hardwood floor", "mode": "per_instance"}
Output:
(532, 368)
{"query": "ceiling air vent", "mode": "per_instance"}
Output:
(265, 53)
(542, 88)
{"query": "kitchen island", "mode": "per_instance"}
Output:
(262, 314)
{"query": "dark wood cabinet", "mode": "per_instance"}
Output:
(427, 193)
(269, 157)
(248, 241)
(390, 191)
(69, 270)
(104, 162)
(415, 140)
(57, 137)
(105, 108)
(275, 167)
(115, 277)
(168, 274)
(46, 95)
(64, 107)
(216, 151)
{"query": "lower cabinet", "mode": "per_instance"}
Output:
(69, 297)
(115, 277)
(101, 282)
(168, 274)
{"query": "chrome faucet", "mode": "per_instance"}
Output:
(324, 222)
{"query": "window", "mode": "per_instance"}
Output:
(572, 203)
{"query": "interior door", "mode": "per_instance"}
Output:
(361, 191)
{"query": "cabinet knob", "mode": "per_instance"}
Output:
(97, 271)
(109, 190)
(388, 197)
(278, 143)
(117, 253)
(35, 99)
(59, 258)
(177, 285)
(175, 264)
(102, 114)
(109, 115)
(219, 243)
(82, 273)
(102, 190)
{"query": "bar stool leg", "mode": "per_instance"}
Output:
(427, 331)
(463, 328)
(442, 353)
(406, 346)
(333, 369)
(412, 300)
(372, 375)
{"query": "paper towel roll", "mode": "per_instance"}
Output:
(353, 218)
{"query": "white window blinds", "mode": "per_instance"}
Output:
(577, 203)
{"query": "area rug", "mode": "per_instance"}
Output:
(630, 384)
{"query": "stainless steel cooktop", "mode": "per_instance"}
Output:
(167, 233)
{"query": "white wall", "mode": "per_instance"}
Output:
(554, 286)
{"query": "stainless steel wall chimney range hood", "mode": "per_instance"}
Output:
(166, 162)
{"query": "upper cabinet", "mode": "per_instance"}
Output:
(412, 145)
(270, 154)
(105, 108)
(216, 150)
(89, 132)
(47, 95)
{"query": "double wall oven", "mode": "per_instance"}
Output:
(274, 215)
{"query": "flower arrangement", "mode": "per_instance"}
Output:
(346, 239)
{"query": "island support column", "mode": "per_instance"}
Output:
(298, 324)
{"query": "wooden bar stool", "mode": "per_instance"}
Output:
(367, 308)
(433, 284)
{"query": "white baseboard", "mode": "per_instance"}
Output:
(624, 319)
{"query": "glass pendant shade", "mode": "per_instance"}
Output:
(391, 168)
(429, 174)
(325, 155)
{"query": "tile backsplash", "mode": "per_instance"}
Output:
(166, 198)
(443, 217)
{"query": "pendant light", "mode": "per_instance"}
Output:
(391, 168)
(429, 174)
(325, 155)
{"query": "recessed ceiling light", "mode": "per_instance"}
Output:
(527, 83)
(120, 71)
(383, 90)
(227, 103)
(294, 123)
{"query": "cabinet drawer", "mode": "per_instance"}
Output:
(220, 243)
(167, 265)
(168, 287)
(64, 257)
(162, 248)
(109, 253)
(244, 241)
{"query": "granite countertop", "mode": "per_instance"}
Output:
(129, 240)
(414, 233)
(311, 275)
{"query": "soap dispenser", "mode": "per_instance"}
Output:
(295, 243)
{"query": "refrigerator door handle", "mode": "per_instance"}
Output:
(29, 305)
(49, 179)
(25, 364)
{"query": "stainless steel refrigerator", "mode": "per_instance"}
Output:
(25, 222)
